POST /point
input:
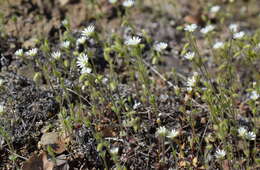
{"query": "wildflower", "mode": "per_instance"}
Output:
(214, 9)
(65, 22)
(65, 44)
(19, 52)
(161, 131)
(81, 40)
(191, 28)
(85, 70)
(56, 55)
(251, 135)
(1, 82)
(2, 108)
(128, 3)
(233, 27)
(254, 95)
(88, 31)
(32, 52)
(112, 1)
(136, 105)
(173, 134)
(189, 55)
(114, 150)
(82, 60)
(220, 154)
(218, 45)
(242, 132)
(207, 29)
(191, 82)
(239, 35)
(160, 46)
(133, 40)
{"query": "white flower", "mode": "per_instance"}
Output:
(112, 1)
(88, 31)
(65, 22)
(133, 40)
(2, 108)
(114, 150)
(65, 44)
(104, 80)
(191, 82)
(189, 55)
(207, 29)
(254, 95)
(32, 52)
(251, 135)
(136, 105)
(161, 131)
(1, 82)
(19, 52)
(160, 46)
(242, 132)
(220, 153)
(128, 3)
(85, 70)
(82, 60)
(173, 134)
(81, 40)
(56, 55)
(238, 35)
(191, 27)
(233, 27)
(215, 9)
(218, 45)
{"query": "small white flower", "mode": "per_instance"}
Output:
(65, 44)
(161, 131)
(238, 35)
(82, 60)
(133, 40)
(104, 80)
(233, 27)
(173, 134)
(136, 105)
(214, 9)
(191, 82)
(189, 55)
(251, 135)
(81, 40)
(218, 45)
(114, 150)
(242, 132)
(207, 29)
(220, 154)
(56, 55)
(254, 95)
(88, 31)
(65, 22)
(19, 52)
(1, 82)
(85, 70)
(191, 27)
(160, 46)
(32, 52)
(128, 3)
(112, 1)
(2, 108)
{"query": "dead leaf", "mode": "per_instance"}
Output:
(36, 162)
(225, 165)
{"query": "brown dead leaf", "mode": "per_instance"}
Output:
(225, 165)
(106, 131)
(36, 162)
